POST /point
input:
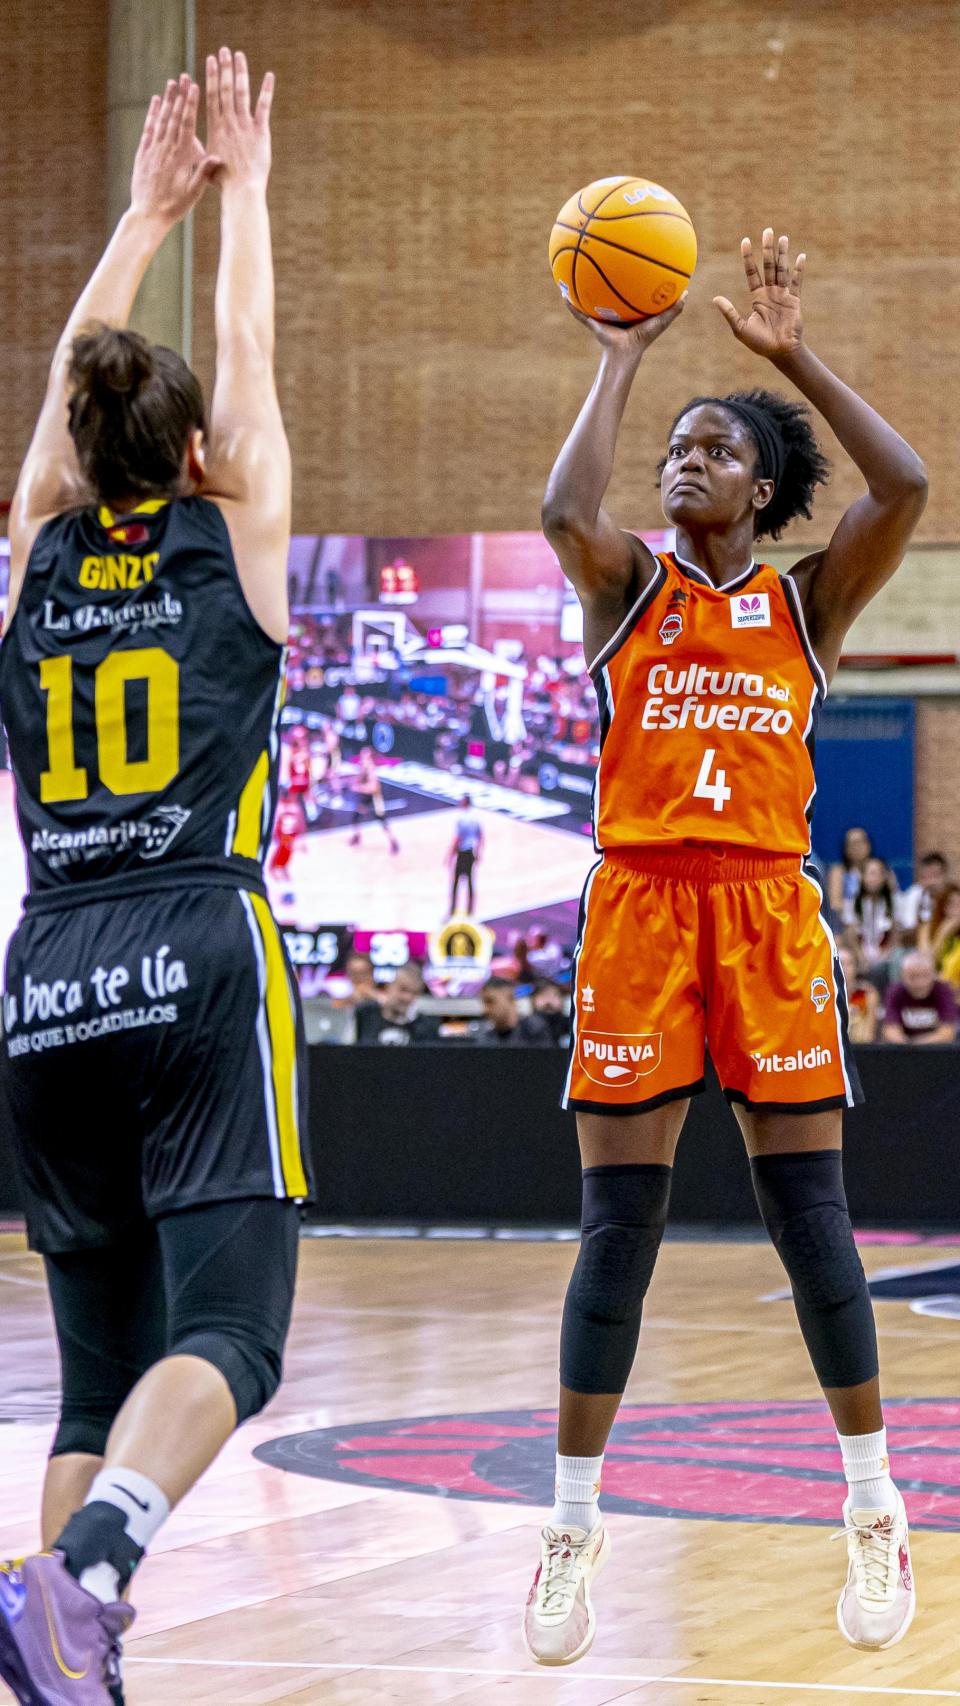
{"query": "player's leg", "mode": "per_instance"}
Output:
(223, 1365)
(627, 1167)
(627, 1164)
(470, 864)
(636, 1057)
(797, 1171)
(380, 812)
(110, 1319)
(109, 1314)
(778, 1037)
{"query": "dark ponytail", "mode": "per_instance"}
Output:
(133, 406)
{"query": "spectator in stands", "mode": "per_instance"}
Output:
(843, 879)
(537, 957)
(920, 1009)
(551, 1002)
(863, 1002)
(915, 906)
(941, 937)
(363, 985)
(393, 1018)
(870, 916)
(505, 1028)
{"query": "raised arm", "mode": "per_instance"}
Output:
(870, 539)
(248, 465)
(604, 564)
(170, 174)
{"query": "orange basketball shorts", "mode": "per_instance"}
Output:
(695, 945)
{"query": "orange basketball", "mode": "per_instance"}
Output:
(622, 250)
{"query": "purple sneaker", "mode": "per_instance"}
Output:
(59, 1645)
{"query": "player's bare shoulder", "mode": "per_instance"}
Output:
(607, 604)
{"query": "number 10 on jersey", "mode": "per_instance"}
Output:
(717, 790)
(64, 779)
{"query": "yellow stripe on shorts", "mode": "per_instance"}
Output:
(283, 1049)
(249, 831)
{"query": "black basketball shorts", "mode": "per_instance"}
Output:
(153, 1059)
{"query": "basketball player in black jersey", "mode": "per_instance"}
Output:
(153, 1042)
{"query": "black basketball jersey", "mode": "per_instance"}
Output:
(141, 702)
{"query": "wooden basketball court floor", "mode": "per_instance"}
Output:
(282, 1587)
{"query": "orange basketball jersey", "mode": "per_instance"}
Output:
(708, 711)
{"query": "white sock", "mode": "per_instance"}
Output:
(867, 1468)
(145, 1509)
(577, 1494)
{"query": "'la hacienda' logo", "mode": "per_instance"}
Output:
(736, 1462)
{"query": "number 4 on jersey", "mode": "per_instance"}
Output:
(717, 791)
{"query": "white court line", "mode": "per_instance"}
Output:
(847, 1688)
(14, 1279)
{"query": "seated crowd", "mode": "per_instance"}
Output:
(899, 950)
(508, 1013)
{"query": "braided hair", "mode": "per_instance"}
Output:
(787, 452)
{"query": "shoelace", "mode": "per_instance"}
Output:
(559, 1582)
(874, 1559)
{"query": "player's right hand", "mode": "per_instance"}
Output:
(630, 340)
(239, 137)
(172, 168)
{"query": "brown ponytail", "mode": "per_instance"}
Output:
(132, 408)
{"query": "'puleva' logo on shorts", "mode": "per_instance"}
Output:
(819, 993)
(618, 1058)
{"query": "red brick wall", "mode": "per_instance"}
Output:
(52, 191)
(423, 148)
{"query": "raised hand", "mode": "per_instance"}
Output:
(630, 340)
(172, 168)
(774, 327)
(239, 137)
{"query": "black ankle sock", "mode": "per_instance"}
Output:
(97, 1535)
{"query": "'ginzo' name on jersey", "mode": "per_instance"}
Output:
(708, 708)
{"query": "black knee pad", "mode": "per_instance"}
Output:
(251, 1370)
(804, 1208)
(624, 1214)
(85, 1431)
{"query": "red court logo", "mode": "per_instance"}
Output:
(619, 1057)
(736, 1462)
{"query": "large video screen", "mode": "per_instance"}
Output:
(437, 696)
(436, 701)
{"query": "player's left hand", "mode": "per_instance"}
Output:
(774, 327)
(172, 168)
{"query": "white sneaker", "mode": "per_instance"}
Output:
(559, 1621)
(877, 1604)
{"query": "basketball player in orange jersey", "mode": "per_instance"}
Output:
(153, 1046)
(701, 922)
